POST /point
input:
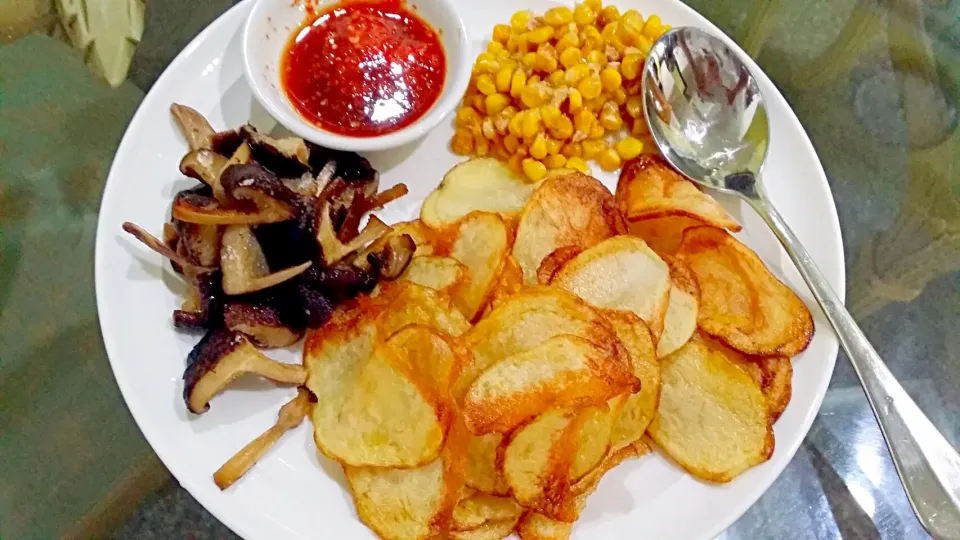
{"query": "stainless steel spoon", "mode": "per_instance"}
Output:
(707, 116)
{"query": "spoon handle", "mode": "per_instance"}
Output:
(928, 466)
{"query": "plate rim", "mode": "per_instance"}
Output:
(244, 529)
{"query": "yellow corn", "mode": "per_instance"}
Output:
(609, 116)
(610, 79)
(635, 106)
(519, 20)
(619, 96)
(562, 128)
(570, 57)
(653, 28)
(538, 150)
(529, 60)
(550, 114)
(486, 85)
(530, 124)
(535, 170)
(629, 148)
(501, 33)
(478, 103)
(596, 57)
(480, 143)
(515, 164)
(546, 58)
(517, 83)
(515, 126)
(577, 164)
(540, 34)
(566, 42)
(597, 131)
(609, 160)
(494, 48)
(533, 95)
(572, 149)
(584, 15)
(584, 120)
(558, 16)
(511, 143)
(487, 63)
(495, 103)
(462, 142)
(591, 37)
(575, 101)
(609, 14)
(593, 148)
(502, 79)
(595, 5)
(576, 73)
(553, 146)
(630, 66)
(590, 87)
(555, 161)
(467, 116)
(640, 127)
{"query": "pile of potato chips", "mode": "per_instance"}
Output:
(541, 335)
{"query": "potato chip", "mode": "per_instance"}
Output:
(536, 464)
(492, 530)
(681, 319)
(620, 273)
(443, 274)
(563, 370)
(713, 419)
(536, 526)
(481, 241)
(416, 503)
(482, 184)
(482, 472)
(594, 426)
(650, 188)
(552, 263)
(530, 317)
(568, 210)
(773, 374)
(742, 303)
(371, 411)
(639, 409)
(664, 234)
(510, 281)
(401, 303)
(480, 508)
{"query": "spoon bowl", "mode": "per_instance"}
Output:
(707, 118)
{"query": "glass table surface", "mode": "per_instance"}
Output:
(874, 83)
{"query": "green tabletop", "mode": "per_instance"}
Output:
(873, 82)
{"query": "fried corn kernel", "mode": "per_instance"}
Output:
(533, 169)
(519, 20)
(567, 41)
(511, 143)
(574, 101)
(609, 14)
(502, 78)
(570, 57)
(610, 116)
(584, 15)
(610, 79)
(558, 16)
(538, 150)
(518, 82)
(609, 160)
(555, 161)
(495, 103)
(529, 60)
(555, 79)
(541, 34)
(590, 87)
(595, 5)
(462, 142)
(501, 33)
(578, 164)
(572, 149)
(629, 148)
(630, 66)
(562, 128)
(635, 106)
(467, 116)
(486, 85)
(593, 148)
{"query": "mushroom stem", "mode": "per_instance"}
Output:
(158, 246)
(291, 415)
(193, 125)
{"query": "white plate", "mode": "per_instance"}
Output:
(296, 493)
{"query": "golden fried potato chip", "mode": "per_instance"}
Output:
(563, 371)
(527, 319)
(443, 274)
(372, 410)
(480, 508)
(536, 526)
(741, 302)
(650, 188)
(482, 472)
(492, 530)
(594, 427)
(481, 241)
(429, 356)
(536, 463)
(713, 419)
(620, 273)
(639, 409)
(401, 303)
(416, 503)
(480, 184)
(664, 234)
(553, 262)
(568, 210)
(773, 374)
(681, 319)
(510, 281)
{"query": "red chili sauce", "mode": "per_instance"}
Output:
(363, 68)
